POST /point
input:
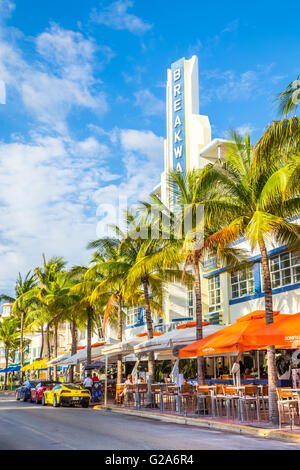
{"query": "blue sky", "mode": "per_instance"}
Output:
(84, 119)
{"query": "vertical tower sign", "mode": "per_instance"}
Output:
(178, 112)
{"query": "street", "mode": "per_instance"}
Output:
(27, 426)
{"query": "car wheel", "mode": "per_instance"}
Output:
(44, 400)
(24, 397)
(85, 404)
(37, 401)
(17, 397)
(55, 402)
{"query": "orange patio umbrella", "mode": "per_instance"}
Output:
(232, 339)
(285, 332)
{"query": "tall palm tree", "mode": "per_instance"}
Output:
(108, 278)
(190, 225)
(46, 298)
(155, 262)
(21, 305)
(289, 99)
(247, 210)
(10, 339)
(83, 286)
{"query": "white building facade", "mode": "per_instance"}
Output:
(226, 296)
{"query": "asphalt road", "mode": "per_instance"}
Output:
(26, 426)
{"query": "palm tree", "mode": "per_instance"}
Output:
(155, 262)
(21, 306)
(10, 338)
(108, 279)
(190, 226)
(47, 297)
(247, 210)
(82, 290)
(289, 99)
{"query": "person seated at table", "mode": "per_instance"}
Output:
(128, 381)
(248, 375)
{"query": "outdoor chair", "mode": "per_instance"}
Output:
(250, 401)
(155, 391)
(119, 393)
(169, 397)
(186, 396)
(263, 394)
(287, 401)
(203, 399)
(141, 389)
(232, 401)
(129, 395)
(218, 398)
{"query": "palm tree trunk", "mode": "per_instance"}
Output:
(42, 345)
(199, 319)
(272, 373)
(55, 351)
(74, 347)
(151, 363)
(89, 336)
(22, 343)
(120, 337)
(48, 351)
(6, 366)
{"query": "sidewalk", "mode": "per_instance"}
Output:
(219, 424)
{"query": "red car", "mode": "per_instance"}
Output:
(41, 387)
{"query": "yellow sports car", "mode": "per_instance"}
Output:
(66, 394)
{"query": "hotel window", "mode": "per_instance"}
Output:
(190, 303)
(214, 294)
(133, 316)
(242, 283)
(285, 270)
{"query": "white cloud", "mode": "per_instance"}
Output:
(116, 16)
(230, 85)
(144, 142)
(46, 189)
(62, 78)
(6, 8)
(246, 129)
(150, 105)
(143, 161)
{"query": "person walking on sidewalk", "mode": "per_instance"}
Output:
(88, 384)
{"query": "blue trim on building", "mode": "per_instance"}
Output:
(128, 327)
(214, 273)
(141, 314)
(279, 290)
(254, 259)
(257, 278)
(182, 319)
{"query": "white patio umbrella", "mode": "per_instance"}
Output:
(81, 356)
(125, 348)
(173, 339)
(58, 359)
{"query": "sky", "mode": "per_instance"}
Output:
(83, 122)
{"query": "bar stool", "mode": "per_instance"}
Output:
(286, 399)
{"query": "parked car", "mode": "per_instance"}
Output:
(66, 394)
(41, 387)
(23, 392)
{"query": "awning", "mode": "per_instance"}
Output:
(60, 358)
(95, 365)
(229, 340)
(285, 332)
(81, 356)
(179, 337)
(10, 369)
(122, 349)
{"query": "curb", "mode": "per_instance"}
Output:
(205, 423)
